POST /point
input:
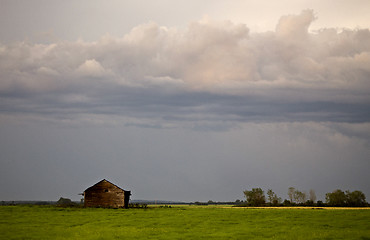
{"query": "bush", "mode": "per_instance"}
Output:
(137, 205)
(338, 198)
(287, 203)
(66, 202)
(256, 197)
(165, 206)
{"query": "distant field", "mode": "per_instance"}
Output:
(182, 222)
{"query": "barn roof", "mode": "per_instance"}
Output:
(101, 182)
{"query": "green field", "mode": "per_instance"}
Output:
(182, 222)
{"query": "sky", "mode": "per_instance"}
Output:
(184, 100)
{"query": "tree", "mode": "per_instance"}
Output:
(270, 195)
(237, 201)
(276, 200)
(302, 197)
(336, 198)
(355, 198)
(291, 194)
(320, 204)
(287, 202)
(273, 198)
(312, 196)
(299, 197)
(256, 197)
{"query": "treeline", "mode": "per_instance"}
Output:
(62, 202)
(256, 198)
(14, 203)
(210, 202)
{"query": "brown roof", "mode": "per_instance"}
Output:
(103, 181)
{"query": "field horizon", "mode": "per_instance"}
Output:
(183, 221)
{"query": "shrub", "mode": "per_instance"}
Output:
(66, 202)
(137, 205)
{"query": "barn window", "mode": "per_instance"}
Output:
(105, 190)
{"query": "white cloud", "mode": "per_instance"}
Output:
(91, 68)
(211, 70)
(47, 71)
(164, 80)
(295, 27)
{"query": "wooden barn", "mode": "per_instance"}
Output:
(106, 194)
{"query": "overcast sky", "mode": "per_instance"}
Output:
(184, 100)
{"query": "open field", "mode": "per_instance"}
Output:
(182, 222)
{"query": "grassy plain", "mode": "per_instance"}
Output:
(182, 222)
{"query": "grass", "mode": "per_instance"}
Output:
(182, 222)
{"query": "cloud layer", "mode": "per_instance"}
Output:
(288, 107)
(215, 72)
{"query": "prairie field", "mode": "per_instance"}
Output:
(183, 222)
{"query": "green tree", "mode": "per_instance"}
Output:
(355, 198)
(273, 198)
(256, 197)
(287, 202)
(276, 200)
(299, 197)
(270, 195)
(336, 198)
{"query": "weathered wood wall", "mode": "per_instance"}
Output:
(105, 194)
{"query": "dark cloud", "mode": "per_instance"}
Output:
(211, 70)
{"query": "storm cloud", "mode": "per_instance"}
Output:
(214, 71)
